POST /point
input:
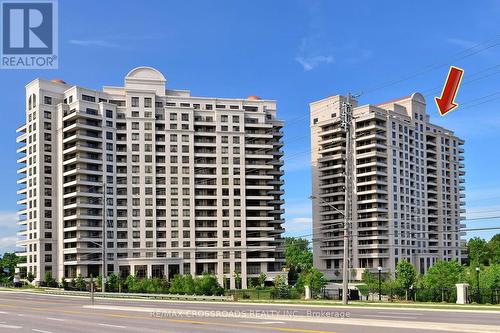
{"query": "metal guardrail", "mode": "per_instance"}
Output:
(141, 296)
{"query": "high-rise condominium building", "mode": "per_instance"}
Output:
(407, 187)
(186, 184)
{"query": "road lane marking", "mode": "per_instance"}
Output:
(392, 317)
(109, 325)
(56, 319)
(262, 322)
(399, 313)
(41, 331)
(284, 329)
(10, 326)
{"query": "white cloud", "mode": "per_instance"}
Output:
(298, 208)
(483, 209)
(8, 219)
(475, 196)
(298, 226)
(307, 220)
(92, 42)
(8, 228)
(7, 243)
(462, 42)
(112, 41)
(359, 56)
(314, 48)
(311, 62)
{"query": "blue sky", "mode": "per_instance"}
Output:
(292, 51)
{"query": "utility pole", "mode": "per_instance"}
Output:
(346, 124)
(92, 290)
(104, 222)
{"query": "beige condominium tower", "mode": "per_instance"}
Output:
(407, 181)
(185, 184)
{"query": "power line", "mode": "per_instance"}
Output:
(458, 56)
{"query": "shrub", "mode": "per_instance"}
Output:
(64, 283)
(207, 284)
(112, 282)
(49, 280)
(80, 283)
(182, 284)
(30, 277)
(281, 288)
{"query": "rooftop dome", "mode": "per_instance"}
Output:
(145, 73)
(58, 81)
(253, 98)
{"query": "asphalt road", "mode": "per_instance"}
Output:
(29, 312)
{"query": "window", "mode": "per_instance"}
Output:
(88, 98)
(135, 102)
(148, 102)
(109, 114)
(47, 100)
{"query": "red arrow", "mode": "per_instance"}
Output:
(446, 102)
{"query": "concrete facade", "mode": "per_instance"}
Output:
(408, 187)
(192, 184)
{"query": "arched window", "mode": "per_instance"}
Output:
(29, 103)
(34, 100)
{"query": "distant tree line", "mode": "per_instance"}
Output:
(440, 279)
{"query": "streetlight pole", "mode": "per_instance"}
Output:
(104, 222)
(379, 268)
(345, 285)
(478, 295)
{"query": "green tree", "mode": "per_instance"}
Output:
(80, 283)
(314, 279)
(49, 280)
(237, 278)
(491, 277)
(98, 282)
(250, 283)
(262, 279)
(182, 284)
(406, 276)
(494, 249)
(64, 283)
(132, 284)
(30, 277)
(443, 275)
(370, 282)
(298, 256)
(478, 251)
(281, 288)
(8, 263)
(207, 284)
(112, 283)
